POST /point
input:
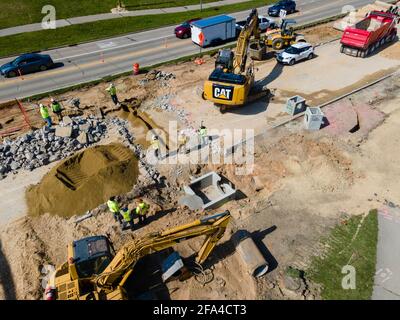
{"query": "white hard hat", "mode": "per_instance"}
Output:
(41, 105)
(52, 99)
(155, 137)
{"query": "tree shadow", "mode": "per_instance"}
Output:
(6, 278)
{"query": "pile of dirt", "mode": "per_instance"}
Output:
(321, 33)
(84, 181)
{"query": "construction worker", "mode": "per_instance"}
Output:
(56, 108)
(113, 93)
(114, 208)
(203, 134)
(127, 219)
(182, 142)
(155, 143)
(141, 210)
(45, 114)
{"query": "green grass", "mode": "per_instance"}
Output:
(46, 39)
(342, 250)
(20, 12)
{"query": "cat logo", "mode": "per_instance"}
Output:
(222, 92)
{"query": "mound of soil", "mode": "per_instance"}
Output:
(84, 181)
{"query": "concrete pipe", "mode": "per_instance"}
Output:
(251, 255)
(257, 51)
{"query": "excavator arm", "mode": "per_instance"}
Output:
(250, 28)
(124, 261)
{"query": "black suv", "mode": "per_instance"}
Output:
(288, 5)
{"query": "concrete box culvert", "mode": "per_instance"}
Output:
(257, 51)
(251, 256)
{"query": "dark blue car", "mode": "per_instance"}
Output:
(26, 63)
(288, 5)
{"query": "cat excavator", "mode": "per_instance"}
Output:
(93, 272)
(231, 83)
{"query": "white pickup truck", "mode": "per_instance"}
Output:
(263, 22)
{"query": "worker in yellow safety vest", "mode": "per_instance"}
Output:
(113, 93)
(182, 142)
(56, 108)
(44, 112)
(141, 210)
(113, 206)
(203, 134)
(155, 143)
(127, 219)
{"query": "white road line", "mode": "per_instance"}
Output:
(113, 48)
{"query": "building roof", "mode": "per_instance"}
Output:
(212, 21)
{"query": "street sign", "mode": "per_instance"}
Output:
(282, 13)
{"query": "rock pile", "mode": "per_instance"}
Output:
(157, 75)
(138, 150)
(40, 147)
(164, 103)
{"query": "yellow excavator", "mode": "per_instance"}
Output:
(227, 85)
(93, 272)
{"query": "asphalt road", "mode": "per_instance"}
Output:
(94, 60)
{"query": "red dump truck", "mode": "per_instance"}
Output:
(367, 35)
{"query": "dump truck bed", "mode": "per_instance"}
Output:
(376, 26)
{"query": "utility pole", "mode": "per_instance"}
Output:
(201, 5)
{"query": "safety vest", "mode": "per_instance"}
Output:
(112, 91)
(126, 215)
(44, 112)
(155, 144)
(55, 106)
(203, 132)
(182, 139)
(113, 206)
(142, 208)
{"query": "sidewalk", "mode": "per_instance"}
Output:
(107, 16)
(387, 276)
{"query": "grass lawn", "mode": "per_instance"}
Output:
(359, 252)
(20, 12)
(46, 39)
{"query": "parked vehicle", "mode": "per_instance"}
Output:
(183, 31)
(296, 52)
(26, 63)
(213, 31)
(369, 34)
(263, 22)
(288, 5)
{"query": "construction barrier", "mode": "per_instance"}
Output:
(136, 69)
(27, 123)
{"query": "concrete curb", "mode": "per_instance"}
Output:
(233, 148)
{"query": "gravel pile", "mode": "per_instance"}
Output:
(157, 75)
(129, 141)
(40, 147)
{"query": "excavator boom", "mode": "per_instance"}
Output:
(81, 283)
(250, 28)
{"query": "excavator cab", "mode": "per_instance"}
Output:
(225, 59)
(91, 255)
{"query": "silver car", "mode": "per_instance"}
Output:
(296, 52)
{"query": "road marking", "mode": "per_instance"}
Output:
(109, 49)
(104, 45)
(72, 67)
